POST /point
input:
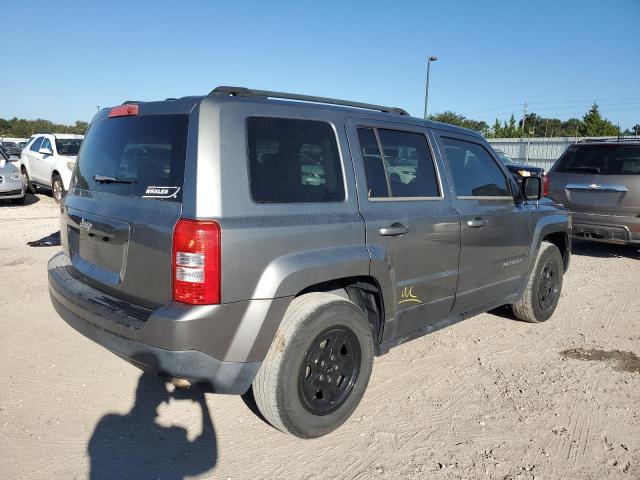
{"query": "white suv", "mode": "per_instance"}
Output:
(48, 160)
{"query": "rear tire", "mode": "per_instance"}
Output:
(541, 296)
(57, 188)
(317, 368)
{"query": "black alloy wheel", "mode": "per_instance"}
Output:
(548, 286)
(329, 370)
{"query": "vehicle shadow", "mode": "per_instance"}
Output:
(29, 199)
(504, 311)
(604, 250)
(133, 445)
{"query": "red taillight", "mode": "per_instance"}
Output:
(546, 183)
(196, 262)
(123, 110)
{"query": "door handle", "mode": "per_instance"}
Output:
(394, 230)
(477, 222)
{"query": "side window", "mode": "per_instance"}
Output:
(475, 173)
(377, 186)
(35, 146)
(46, 144)
(293, 161)
(409, 164)
(407, 170)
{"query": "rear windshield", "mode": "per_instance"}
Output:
(141, 156)
(68, 146)
(601, 160)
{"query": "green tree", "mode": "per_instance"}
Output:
(496, 130)
(510, 129)
(572, 127)
(461, 121)
(595, 125)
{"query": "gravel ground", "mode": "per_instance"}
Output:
(490, 397)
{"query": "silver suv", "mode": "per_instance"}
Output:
(244, 240)
(599, 181)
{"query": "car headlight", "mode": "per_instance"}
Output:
(15, 176)
(70, 165)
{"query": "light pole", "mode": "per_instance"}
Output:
(426, 93)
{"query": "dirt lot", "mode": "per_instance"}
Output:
(487, 398)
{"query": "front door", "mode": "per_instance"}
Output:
(495, 230)
(33, 157)
(41, 166)
(410, 220)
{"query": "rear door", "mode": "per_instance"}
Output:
(602, 178)
(495, 231)
(125, 199)
(409, 216)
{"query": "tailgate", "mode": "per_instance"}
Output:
(125, 198)
(598, 179)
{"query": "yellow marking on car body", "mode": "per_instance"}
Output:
(407, 296)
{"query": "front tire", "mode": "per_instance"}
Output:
(30, 187)
(57, 188)
(317, 368)
(541, 296)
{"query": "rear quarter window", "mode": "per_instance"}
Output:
(293, 161)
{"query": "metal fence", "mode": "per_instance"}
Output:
(540, 152)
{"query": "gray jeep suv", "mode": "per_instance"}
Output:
(243, 240)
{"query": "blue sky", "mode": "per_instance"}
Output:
(63, 58)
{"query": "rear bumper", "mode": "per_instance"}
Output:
(219, 346)
(606, 228)
(215, 375)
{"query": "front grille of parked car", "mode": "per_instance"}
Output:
(119, 311)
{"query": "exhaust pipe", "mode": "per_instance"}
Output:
(180, 383)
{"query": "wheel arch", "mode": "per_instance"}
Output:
(556, 229)
(365, 292)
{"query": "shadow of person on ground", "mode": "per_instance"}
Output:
(134, 446)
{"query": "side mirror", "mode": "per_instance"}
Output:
(45, 151)
(532, 188)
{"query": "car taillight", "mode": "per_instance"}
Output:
(546, 184)
(196, 262)
(123, 110)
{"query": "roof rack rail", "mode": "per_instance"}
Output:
(131, 102)
(246, 92)
(610, 140)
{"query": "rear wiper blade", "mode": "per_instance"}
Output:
(107, 179)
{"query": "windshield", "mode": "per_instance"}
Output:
(601, 160)
(140, 156)
(68, 146)
(504, 158)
